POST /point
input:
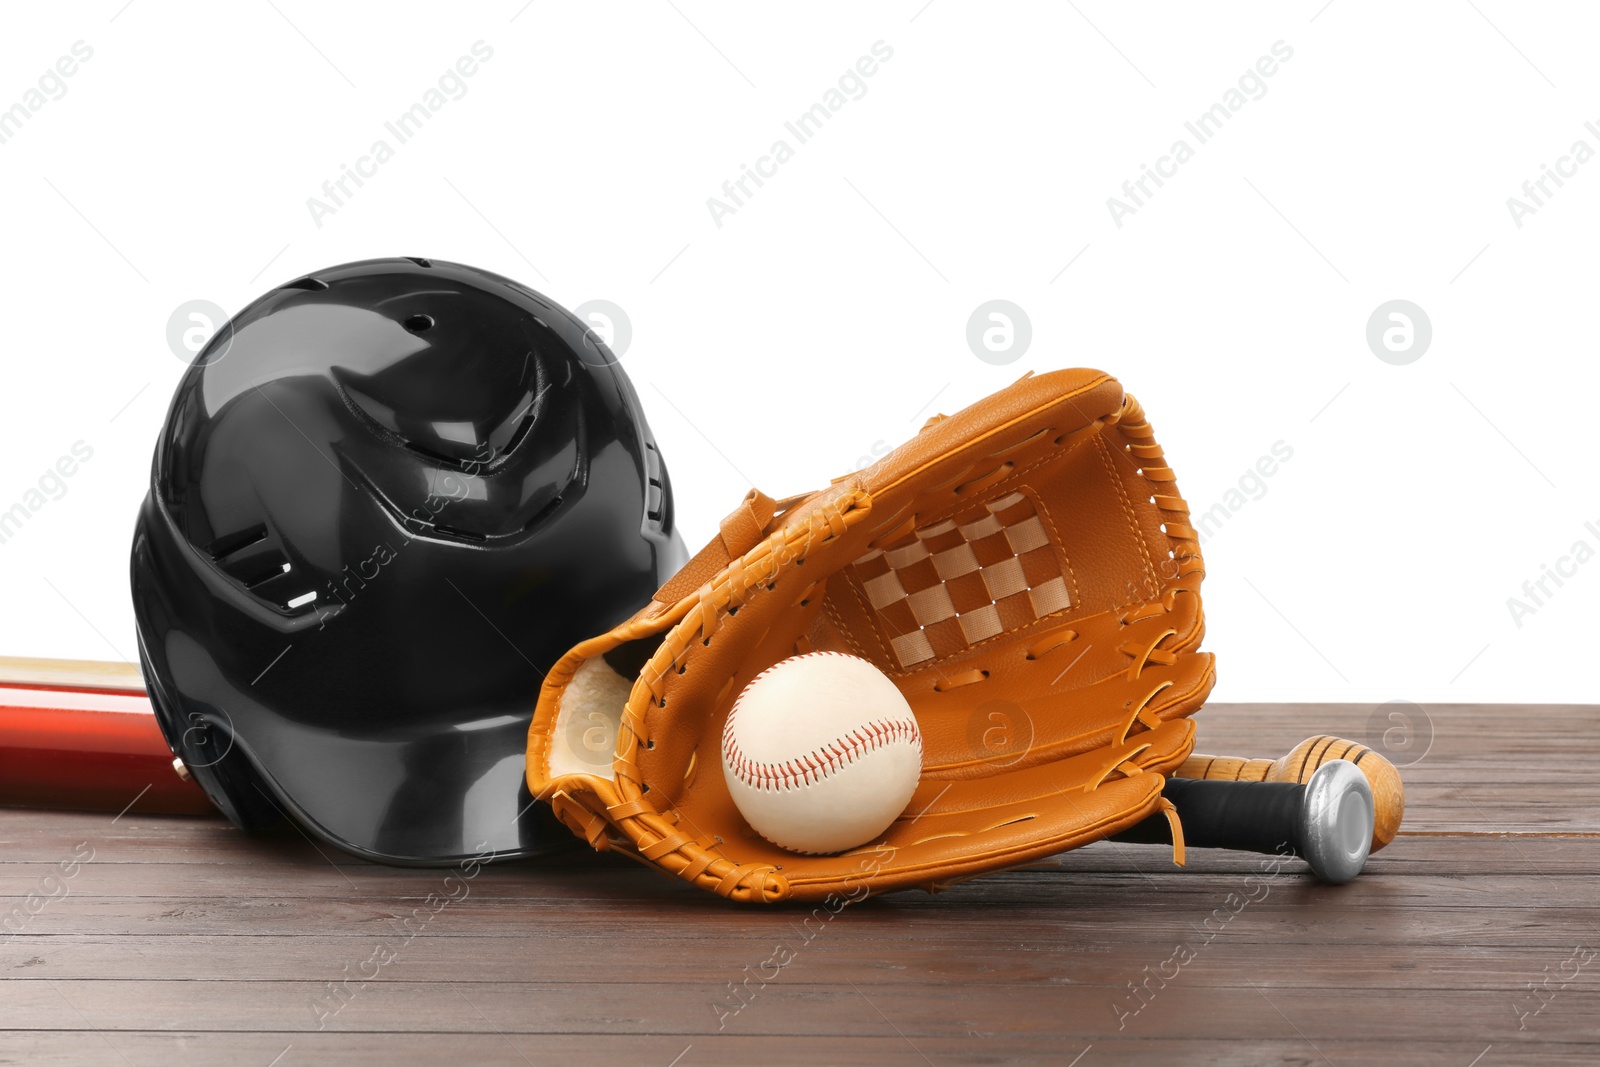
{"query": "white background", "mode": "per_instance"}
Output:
(826, 318)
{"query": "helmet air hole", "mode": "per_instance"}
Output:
(545, 512)
(310, 285)
(228, 544)
(258, 571)
(419, 323)
(453, 531)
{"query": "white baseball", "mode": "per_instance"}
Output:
(821, 752)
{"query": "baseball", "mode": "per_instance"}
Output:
(821, 753)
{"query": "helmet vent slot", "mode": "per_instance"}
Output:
(453, 531)
(419, 261)
(545, 512)
(437, 457)
(228, 544)
(259, 570)
(655, 506)
(279, 586)
(310, 285)
(259, 563)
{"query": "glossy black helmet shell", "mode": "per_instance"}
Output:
(387, 497)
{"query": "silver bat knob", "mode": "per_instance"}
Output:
(1336, 821)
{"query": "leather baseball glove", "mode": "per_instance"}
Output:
(1024, 571)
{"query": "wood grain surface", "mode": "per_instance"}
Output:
(1470, 941)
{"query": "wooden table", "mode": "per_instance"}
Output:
(1470, 941)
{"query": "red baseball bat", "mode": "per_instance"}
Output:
(81, 735)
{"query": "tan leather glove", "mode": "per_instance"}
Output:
(1026, 565)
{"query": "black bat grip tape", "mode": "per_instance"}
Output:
(1262, 817)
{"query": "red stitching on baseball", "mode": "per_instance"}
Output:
(814, 766)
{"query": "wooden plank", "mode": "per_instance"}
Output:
(1103, 930)
(1061, 1014)
(164, 1049)
(184, 941)
(944, 967)
(634, 895)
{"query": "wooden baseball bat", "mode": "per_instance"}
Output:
(81, 735)
(1303, 761)
(1327, 821)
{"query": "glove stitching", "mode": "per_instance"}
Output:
(1127, 512)
(885, 653)
(1075, 596)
